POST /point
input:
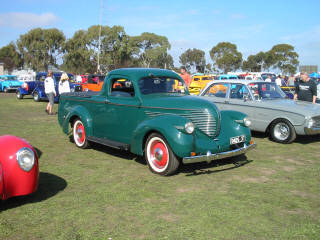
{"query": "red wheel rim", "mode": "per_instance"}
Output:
(81, 135)
(159, 154)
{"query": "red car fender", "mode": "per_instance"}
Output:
(1, 184)
(16, 181)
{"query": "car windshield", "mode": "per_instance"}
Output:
(151, 85)
(207, 78)
(265, 90)
(10, 78)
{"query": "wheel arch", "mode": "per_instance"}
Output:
(168, 126)
(274, 120)
(81, 113)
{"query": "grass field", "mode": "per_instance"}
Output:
(101, 193)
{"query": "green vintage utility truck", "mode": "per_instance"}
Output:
(150, 112)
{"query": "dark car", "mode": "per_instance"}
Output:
(36, 88)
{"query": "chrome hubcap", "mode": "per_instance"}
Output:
(281, 131)
(158, 153)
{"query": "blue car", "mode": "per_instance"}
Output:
(227, 76)
(9, 83)
(36, 88)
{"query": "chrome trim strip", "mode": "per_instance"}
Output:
(311, 131)
(211, 157)
(203, 120)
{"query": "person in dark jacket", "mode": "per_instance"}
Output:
(306, 90)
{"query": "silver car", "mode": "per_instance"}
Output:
(267, 107)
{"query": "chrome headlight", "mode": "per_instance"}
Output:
(310, 123)
(25, 158)
(189, 127)
(247, 122)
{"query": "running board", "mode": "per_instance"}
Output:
(109, 143)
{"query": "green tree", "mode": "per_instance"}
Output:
(254, 63)
(193, 58)
(41, 47)
(208, 68)
(148, 48)
(77, 57)
(164, 60)
(115, 49)
(10, 57)
(226, 57)
(285, 58)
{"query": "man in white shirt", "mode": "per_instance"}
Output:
(268, 79)
(79, 79)
(279, 81)
(50, 91)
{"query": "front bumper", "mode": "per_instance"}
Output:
(211, 157)
(13, 87)
(311, 131)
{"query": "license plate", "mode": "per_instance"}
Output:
(238, 139)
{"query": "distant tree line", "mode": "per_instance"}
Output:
(40, 48)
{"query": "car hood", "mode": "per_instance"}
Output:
(203, 113)
(178, 102)
(301, 107)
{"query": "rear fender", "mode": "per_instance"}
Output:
(77, 112)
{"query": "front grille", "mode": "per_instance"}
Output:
(317, 122)
(201, 118)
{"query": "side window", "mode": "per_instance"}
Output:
(121, 87)
(238, 91)
(217, 90)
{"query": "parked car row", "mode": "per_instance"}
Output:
(36, 88)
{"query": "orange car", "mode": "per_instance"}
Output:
(94, 83)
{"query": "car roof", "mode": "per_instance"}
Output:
(242, 81)
(143, 72)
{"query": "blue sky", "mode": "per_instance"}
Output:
(252, 25)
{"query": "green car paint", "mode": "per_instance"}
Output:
(114, 118)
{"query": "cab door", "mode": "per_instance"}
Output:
(120, 114)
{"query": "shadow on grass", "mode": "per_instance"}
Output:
(196, 169)
(302, 139)
(49, 186)
(38, 151)
(116, 152)
(260, 135)
(307, 139)
(191, 169)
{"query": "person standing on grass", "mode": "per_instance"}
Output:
(64, 86)
(306, 90)
(50, 91)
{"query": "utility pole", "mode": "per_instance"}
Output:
(99, 47)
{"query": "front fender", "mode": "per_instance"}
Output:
(77, 112)
(171, 127)
(22, 91)
(231, 126)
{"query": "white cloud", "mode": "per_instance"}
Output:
(27, 20)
